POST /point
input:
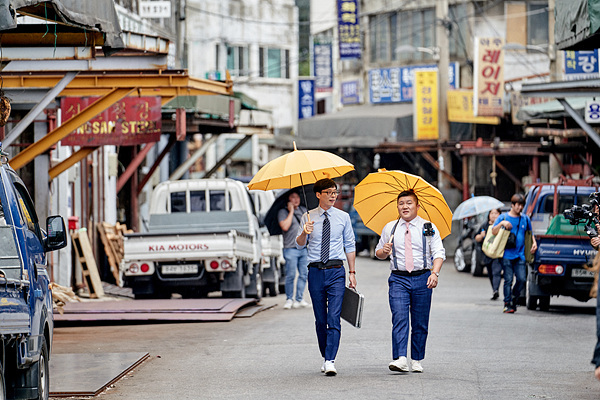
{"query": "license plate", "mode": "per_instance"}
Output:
(582, 273)
(180, 269)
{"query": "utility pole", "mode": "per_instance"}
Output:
(444, 160)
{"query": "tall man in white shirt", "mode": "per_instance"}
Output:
(417, 254)
(329, 237)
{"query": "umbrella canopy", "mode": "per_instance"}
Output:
(375, 200)
(476, 205)
(271, 221)
(298, 168)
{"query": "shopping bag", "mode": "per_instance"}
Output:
(493, 245)
(528, 243)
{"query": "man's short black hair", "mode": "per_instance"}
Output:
(517, 198)
(408, 192)
(324, 184)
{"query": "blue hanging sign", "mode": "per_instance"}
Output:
(348, 29)
(306, 98)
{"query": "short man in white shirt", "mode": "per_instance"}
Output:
(417, 254)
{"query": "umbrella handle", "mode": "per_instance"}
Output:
(391, 238)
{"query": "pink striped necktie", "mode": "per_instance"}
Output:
(408, 254)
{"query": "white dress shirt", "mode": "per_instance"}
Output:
(435, 248)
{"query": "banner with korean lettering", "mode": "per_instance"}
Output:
(581, 64)
(488, 85)
(323, 67)
(306, 98)
(128, 122)
(394, 85)
(350, 92)
(349, 29)
(425, 104)
(460, 109)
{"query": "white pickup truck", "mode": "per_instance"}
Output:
(203, 236)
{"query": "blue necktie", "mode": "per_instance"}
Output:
(325, 239)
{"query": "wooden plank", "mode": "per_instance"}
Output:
(84, 252)
(108, 249)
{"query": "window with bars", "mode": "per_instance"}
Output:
(238, 63)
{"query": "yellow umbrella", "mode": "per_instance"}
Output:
(375, 200)
(299, 168)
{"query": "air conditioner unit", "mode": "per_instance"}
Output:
(263, 154)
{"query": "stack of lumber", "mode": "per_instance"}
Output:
(62, 295)
(112, 240)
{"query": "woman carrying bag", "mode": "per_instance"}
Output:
(494, 267)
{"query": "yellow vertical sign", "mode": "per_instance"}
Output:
(426, 106)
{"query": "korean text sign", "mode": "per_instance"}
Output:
(350, 92)
(128, 122)
(349, 29)
(488, 84)
(323, 68)
(460, 109)
(426, 106)
(306, 98)
(581, 64)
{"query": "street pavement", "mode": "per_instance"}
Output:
(474, 351)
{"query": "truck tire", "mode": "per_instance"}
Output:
(270, 288)
(476, 267)
(544, 302)
(255, 288)
(238, 278)
(43, 373)
(531, 302)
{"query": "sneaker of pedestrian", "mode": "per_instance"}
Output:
(301, 304)
(288, 304)
(323, 366)
(399, 365)
(330, 368)
(495, 295)
(415, 366)
(508, 308)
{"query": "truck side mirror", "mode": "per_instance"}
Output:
(57, 233)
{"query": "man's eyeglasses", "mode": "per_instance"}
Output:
(330, 192)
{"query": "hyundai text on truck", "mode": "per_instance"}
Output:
(26, 320)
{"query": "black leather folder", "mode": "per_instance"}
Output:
(352, 307)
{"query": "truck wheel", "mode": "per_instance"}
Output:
(43, 373)
(255, 288)
(544, 302)
(476, 267)
(531, 302)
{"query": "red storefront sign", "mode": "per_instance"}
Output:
(130, 121)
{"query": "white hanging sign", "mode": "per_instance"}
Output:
(155, 9)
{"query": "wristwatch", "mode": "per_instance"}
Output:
(436, 273)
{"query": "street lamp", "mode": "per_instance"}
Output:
(433, 51)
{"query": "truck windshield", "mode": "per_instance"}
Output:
(9, 255)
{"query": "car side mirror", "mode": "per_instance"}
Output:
(57, 233)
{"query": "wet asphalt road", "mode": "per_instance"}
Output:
(474, 351)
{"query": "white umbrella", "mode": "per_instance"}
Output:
(476, 205)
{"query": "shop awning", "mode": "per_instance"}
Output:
(97, 15)
(577, 24)
(551, 110)
(364, 126)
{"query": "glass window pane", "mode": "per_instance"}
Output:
(393, 36)
(231, 60)
(274, 63)
(178, 202)
(405, 34)
(429, 29)
(417, 35)
(217, 201)
(261, 61)
(384, 35)
(373, 39)
(537, 24)
(197, 200)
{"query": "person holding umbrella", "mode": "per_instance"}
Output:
(295, 259)
(417, 255)
(327, 233)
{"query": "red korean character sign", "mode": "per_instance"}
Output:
(488, 86)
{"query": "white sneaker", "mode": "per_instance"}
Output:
(301, 304)
(399, 365)
(330, 368)
(416, 366)
(288, 304)
(323, 366)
